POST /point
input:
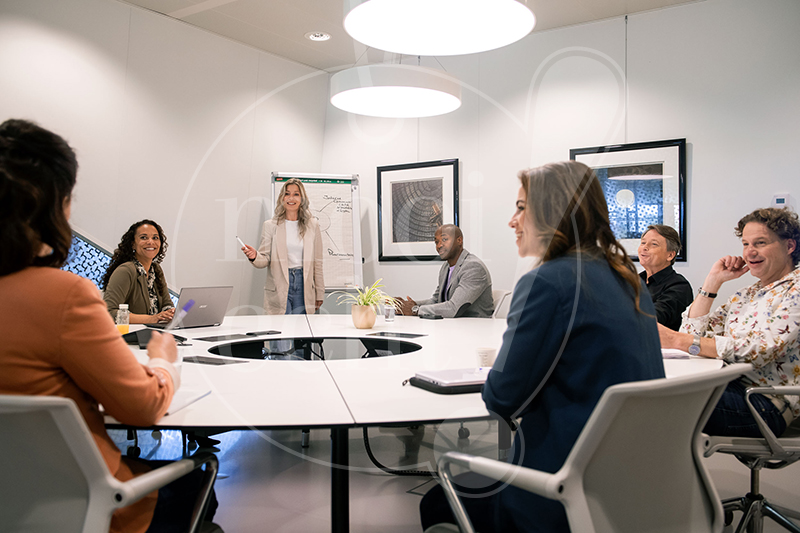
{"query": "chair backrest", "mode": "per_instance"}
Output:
(501, 300)
(637, 465)
(53, 476)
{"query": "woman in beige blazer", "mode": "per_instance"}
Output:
(291, 246)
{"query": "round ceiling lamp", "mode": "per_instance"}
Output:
(395, 91)
(437, 27)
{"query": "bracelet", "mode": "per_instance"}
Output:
(701, 292)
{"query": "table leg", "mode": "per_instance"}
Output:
(340, 480)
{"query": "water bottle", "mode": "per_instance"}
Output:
(123, 319)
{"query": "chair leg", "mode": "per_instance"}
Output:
(305, 437)
(771, 512)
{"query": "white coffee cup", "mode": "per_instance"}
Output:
(486, 356)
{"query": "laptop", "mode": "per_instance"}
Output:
(210, 305)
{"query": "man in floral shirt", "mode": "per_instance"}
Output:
(757, 325)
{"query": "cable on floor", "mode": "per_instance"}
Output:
(392, 471)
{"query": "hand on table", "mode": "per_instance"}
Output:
(164, 316)
(404, 306)
(162, 346)
(671, 339)
(318, 304)
(249, 251)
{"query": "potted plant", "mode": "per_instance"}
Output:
(365, 304)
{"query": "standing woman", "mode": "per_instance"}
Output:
(134, 276)
(578, 323)
(291, 246)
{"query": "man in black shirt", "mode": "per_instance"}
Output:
(670, 291)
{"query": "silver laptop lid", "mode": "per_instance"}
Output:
(210, 305)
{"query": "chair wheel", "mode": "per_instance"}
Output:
(134, 451)
(463, 433)
(156, 434)
(728, 518)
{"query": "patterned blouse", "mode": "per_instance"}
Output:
(758, 325)
(151, 285)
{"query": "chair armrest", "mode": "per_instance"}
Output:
(767, 433)
(138, 487)
(542, 483)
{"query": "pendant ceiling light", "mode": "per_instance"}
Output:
(396, 91)
(437, 27)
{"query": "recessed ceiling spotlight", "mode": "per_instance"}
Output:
(317, 36)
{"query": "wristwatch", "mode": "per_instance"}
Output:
(415, 310)
(694, 349)
(707, 294)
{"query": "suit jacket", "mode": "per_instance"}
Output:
(273, 253)
(469, 292)
(557, 359)
(58, 340)
(127, 286)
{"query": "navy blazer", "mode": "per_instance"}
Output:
(572, 332)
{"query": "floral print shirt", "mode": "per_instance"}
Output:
(758, 325)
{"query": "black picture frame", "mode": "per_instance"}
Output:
(413, 200)
(658, 196)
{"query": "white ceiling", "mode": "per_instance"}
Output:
(279, 26)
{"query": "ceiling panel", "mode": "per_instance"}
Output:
(279, 26)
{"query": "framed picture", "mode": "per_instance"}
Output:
(413, 201)
(644, 183)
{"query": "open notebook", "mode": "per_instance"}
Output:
(185, 397)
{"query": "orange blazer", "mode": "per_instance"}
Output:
(59, 340)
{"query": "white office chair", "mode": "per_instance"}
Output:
(54, 478)
(757, 453)
(636, 466)
(501, 300)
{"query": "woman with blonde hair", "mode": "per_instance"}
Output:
(291, 246)
(579, 322)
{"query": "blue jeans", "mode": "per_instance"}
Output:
(732, 418)
(295, 301)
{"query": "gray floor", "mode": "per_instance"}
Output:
(269, 483)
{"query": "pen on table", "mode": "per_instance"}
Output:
(180, 316)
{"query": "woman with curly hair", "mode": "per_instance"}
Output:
(757, 325)
(134, 276)
(291, 246)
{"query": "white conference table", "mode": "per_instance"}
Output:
(340, 393)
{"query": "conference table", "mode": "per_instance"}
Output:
(360, 382)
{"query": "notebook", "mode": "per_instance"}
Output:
(453, 377)
(210, 305)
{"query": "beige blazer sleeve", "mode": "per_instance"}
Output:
(272, 255)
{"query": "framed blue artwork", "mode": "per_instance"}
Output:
(644, 183)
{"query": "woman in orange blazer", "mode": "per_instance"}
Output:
(291, 246)
(58, 338)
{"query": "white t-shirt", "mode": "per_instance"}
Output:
(294, 244)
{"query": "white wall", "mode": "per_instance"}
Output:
(170, 123)
(183, 126)
(724, 74)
